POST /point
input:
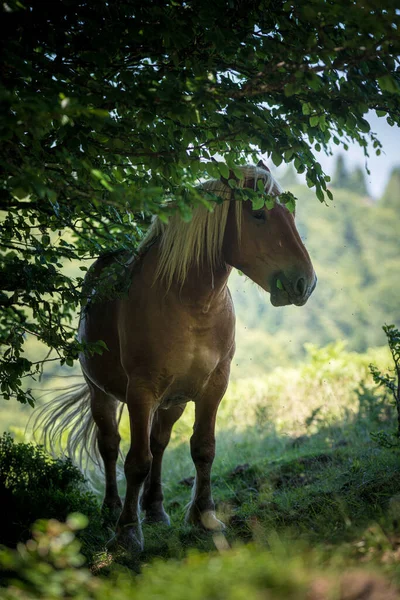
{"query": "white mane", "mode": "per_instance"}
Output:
(183, 244)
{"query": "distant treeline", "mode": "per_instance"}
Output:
(355, 247)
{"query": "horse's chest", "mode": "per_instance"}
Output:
(197, 361)
(191, 373)
(201, 361)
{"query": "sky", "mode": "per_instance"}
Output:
(380, 166)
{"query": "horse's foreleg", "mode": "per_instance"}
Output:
(152, 499)
(202, 445)
(104, 409)
(137, 467)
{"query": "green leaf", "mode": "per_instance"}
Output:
(99, 112)
(388, 83)
(288, 154)
(97, 174)
(288, 200)
(291, 205)
(290, 89)
(364, 125)
(20, 193)
(260, 186)
(258, 202)
(276, 158)
(212, 170)
(238, 173)
(270, 202)
(102, 344)
(224, 170)
(309, 182)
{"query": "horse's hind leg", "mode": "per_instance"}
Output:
(142, 406)
(152, 498)
(104, 411)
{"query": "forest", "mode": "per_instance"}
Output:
(114, 117)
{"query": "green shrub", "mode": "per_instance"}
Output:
(35, 486)
(390, 381)
(48, 565)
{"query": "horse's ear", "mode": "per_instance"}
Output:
(263, 166)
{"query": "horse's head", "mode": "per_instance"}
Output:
(269, 250)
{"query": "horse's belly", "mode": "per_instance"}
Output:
(174, 400)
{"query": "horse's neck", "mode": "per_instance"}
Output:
(204, 286)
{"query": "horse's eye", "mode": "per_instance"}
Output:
(259, 215)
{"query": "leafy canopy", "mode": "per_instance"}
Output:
(113, 111)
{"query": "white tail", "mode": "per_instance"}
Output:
(69, 411)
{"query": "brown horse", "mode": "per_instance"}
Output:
(171, 339)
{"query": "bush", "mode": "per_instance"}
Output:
(48, 565)
(391, 381)
(35, 486)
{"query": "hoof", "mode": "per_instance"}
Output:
(156, 516)
(128, 539)
(111, 512)
(207, 520)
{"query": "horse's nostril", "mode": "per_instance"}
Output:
(300, 286)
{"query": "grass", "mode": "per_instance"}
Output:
(323, 492)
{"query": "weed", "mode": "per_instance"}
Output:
(390, 381)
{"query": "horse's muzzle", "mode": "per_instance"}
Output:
(291, 290)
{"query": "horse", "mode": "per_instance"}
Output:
(170, 339)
